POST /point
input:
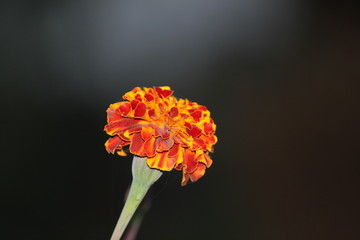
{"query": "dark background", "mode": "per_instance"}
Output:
(281, 79)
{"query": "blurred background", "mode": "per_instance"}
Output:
(281, 79)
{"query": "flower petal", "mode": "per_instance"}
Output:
(149, 147)
(196, 115)
(112, 144)
(189, 161)
(134, 103)
(204, 158)
(185, 179)
(194, 131)
(149, 97)
(147, 133)
(200, 171)
(125, 108)
(174, 112)
(174, 150)
(162, 161)
(137, 145)
(123, 124)
(208, 128)
(162, 145)
(113, 113)
(140, 110)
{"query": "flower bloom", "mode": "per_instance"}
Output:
(170, 133)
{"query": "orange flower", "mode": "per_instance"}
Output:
(171, 133)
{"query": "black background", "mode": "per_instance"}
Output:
(281, 79)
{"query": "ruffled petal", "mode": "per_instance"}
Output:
(200, 171)
(189, 162)
(162, 161)
(113, 143)
(162, 145)
(149, 147)
(137, 145)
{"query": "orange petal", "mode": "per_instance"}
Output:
(183, 139)
(113, 112)
(204, 158)
(147, 133)
(113, 143)
(162, 161)
(121, 152)
(185, 179)
(122, 124)
(200, 171)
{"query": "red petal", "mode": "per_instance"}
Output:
(203, 108)
(198, 143)
(196, 115)
(140, 110)
(208, 128)
(125, 108)
(174, 150)
(188, 125)
(134, 103)
(162, 145)
(166, 93)
(194, 132)
(174, 112)
(138, 97)
(163, 92)
(159, 91)
(152, 114)
(178, 166)
(149, 147)
(137, 145)
(149, 97)
(189, 161)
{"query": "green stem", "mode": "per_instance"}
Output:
(143, 178)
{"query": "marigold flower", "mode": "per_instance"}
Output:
(171, 133)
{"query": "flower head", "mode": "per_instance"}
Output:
(170, 133)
